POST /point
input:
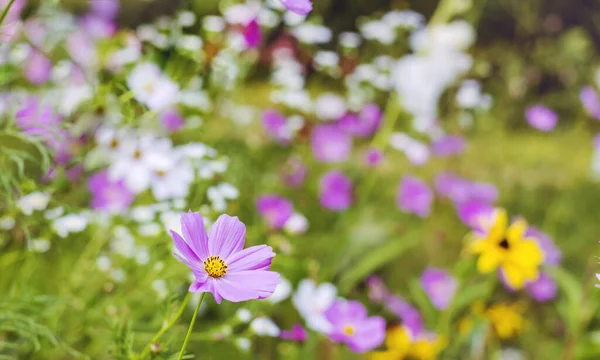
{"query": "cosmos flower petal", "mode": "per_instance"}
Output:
(183, 248)
(192, 226)
(247, 285)
(201, 286)
(369, 335)
(300, 7)
(489, 261)
(253, 258)
(227, 236)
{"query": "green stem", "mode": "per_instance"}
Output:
(167, 326)
(187, 336)
(5, 11)
(381, 140)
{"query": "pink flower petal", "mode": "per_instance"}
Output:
(253, 258)
(300, 7)
(184, 249)
(194, 233)
(227, 236)
(247, 285)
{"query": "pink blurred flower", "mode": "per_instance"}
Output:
(440, 286)
(38, 69)
(414, 196)
(171, 120)
(330, 144)
(219, 261)
(448, 146)
(297, 333)
(373, 157)
(275, 210)
(300, 7)
(541, 117)
(352, 325)
(591, 102)
(11, 22)
(294, 172)
(335, 191)
(275, 124)
(108, 195)
(106, 9)
(252, 34)
(543, 289)
(363, 124)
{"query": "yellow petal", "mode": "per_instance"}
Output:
(489, 261)
(515, 232)
(526, 254)
(397, 339)
(514, 275)
(501, 221)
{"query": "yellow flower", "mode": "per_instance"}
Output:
(397, 343)
(427, 349)
(506, 320)
(399, 347)
(506, 248)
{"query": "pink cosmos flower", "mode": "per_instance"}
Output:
(414, 196)
(108, 195)
(171, 120)
(276, 126)
(591, 102)
(363, 124)
(300, 7)
(297, 334)
(448, 146)
(543, 289)
(219, 261)
(352, 326)
(275, 209)
(252, 34)
(38, 68)
(541, 117)
(440, 286)
(8, 27)
(335, 191)
(294, 172)
(330, 144)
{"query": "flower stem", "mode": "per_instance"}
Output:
(167, 326)
(187, 336)
(5, 11)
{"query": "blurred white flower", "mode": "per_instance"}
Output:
(296, 224)
(350, 40)
(311, 301)
(293, 19)
(330, 107)
(149, 229)
(72, 223)
(118, 275)
(7, 222)
(189, 42)
(295, 99)
(268, 18)
(142, 256)
(171, 221)
(378, 30)
(214, 24)
(40, 245)
(326, 58)
(54, 213)
(244, 315)
(220, 193)
(243, 344)
(404, 19)
(416, 151)
(142, 214)
(160, 286)
(282, 291)
(264, 326)
(455, 36)
(32, 202)
(151, 87)
(103, 263)
(312, 34)
(186, 18)
(241, 14)
(123, 242)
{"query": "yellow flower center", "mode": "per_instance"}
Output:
(349, 330)
(215, 266)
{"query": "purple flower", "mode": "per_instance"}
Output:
(300, 7)
(106, 9)
(352, 326)
(274, 209)
(440, 286)
(543, 289)
(252, 34)
(414, 196)
(38, 69)
(471, 211)
(591, 102)
(541, 117)
(552, 254)
(410, 316)
(276, 126)
(461, 190)
(377, 290)
(8, 27)
(294, 172)
(297, 333)
(107, 195)
(373, 157)
(362, 124)
(219, 261)
(171, 120)
(330, 144)
(335, 191)
(448, 146)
